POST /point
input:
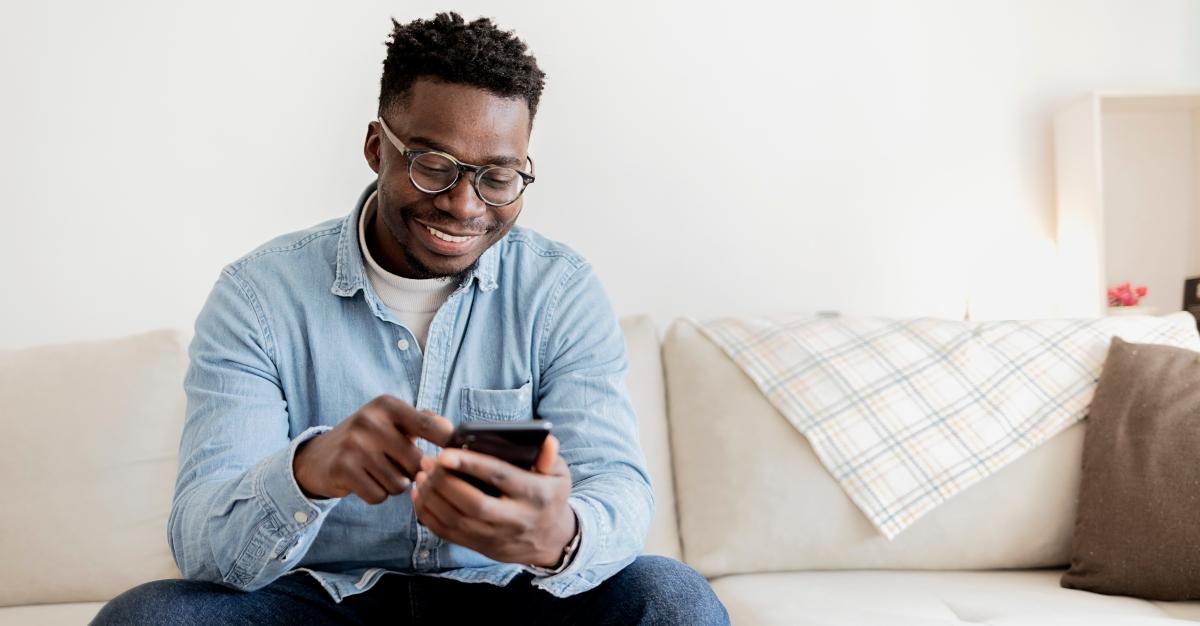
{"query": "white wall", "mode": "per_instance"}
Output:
(749, 157)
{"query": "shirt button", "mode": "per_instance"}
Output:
(300, 516)
(424, 555)
(402, 344)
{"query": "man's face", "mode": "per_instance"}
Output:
(471, 125)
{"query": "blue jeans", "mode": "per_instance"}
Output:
(651, 590)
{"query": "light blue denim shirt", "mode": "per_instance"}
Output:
(293, 339)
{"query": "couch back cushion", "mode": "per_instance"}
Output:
(645, 384)
(90, 435)
(752, 496)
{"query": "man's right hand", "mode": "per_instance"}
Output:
(371, 454)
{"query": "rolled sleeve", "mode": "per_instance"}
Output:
(238, 516)
(583, 394)
(294, 510)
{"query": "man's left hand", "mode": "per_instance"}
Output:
(529, 523)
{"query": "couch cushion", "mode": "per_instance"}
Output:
(1136, 532)
(752, 496)
(69, 614)
(907, 413)
(891, 598)
(91, 433)
(645, 384)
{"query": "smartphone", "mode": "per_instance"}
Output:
(518, 443)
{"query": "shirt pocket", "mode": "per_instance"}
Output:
(498, 405)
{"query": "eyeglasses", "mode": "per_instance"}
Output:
(434, 172)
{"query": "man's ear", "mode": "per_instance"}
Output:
(371, 146)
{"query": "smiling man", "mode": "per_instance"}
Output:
(329, 367)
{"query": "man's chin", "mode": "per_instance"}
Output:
(445, 267)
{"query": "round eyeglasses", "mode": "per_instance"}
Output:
(434, 172)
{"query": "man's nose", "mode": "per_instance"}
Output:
(461, 202)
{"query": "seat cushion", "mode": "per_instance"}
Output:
(67, 614)
(90, 441)
(901, 598)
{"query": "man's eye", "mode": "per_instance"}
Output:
(499, 181)
(432, 168)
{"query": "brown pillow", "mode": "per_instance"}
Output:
(1137, 530)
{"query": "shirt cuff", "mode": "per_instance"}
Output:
(572, 546)
(294, 511)
(563, 583)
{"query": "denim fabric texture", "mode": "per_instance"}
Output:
(650, 591)
(292, 340)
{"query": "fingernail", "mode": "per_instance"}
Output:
(420, 478)
(427, 463)
(450, 459)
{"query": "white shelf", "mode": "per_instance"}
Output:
(1128, 186)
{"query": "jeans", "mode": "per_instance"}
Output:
(651, 590)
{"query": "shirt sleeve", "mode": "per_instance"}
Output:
(583, 393)
(238, 516)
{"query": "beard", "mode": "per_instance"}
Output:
(408, 214)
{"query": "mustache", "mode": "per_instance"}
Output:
(473, 227)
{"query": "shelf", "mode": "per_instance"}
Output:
(1128, 187)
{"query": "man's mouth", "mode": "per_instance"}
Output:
(440, 234)
(447, 243)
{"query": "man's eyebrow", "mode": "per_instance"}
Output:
(506, 161)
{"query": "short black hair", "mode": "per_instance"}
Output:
(449, 49)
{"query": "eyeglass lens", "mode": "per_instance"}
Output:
(434, 173)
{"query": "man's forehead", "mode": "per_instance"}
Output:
(467, 120)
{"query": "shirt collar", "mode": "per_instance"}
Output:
(351, 274)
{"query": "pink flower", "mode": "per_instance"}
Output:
(1125, 294)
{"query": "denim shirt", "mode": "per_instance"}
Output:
(293, 339)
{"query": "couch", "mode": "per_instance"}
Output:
(90, 431)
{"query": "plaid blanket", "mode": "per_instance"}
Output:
(907, 413)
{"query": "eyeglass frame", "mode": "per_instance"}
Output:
(412, 154)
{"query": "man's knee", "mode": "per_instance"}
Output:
(669, 592)
(162, 602)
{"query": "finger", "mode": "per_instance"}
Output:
(452, 519)
(388, 475)
(384, 436)
(401, 452)
(424, 424)
(560, 467)
(424, 516)
(545, 460)
(467, 500)
(365, 487)
(506, 477)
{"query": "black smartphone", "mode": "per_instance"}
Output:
(518, 443)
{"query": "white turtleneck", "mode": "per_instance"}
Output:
(415, 301)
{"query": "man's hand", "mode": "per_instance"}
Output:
(529, 523)
(371, 454)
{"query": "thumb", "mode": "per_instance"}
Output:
(545, 460)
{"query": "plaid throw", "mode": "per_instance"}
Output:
(907, 413)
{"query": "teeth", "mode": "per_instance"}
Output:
(451, 238)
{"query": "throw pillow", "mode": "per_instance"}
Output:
(1136, 530)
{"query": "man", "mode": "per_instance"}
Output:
(329, 366)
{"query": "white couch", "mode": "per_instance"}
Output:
(89, 434)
